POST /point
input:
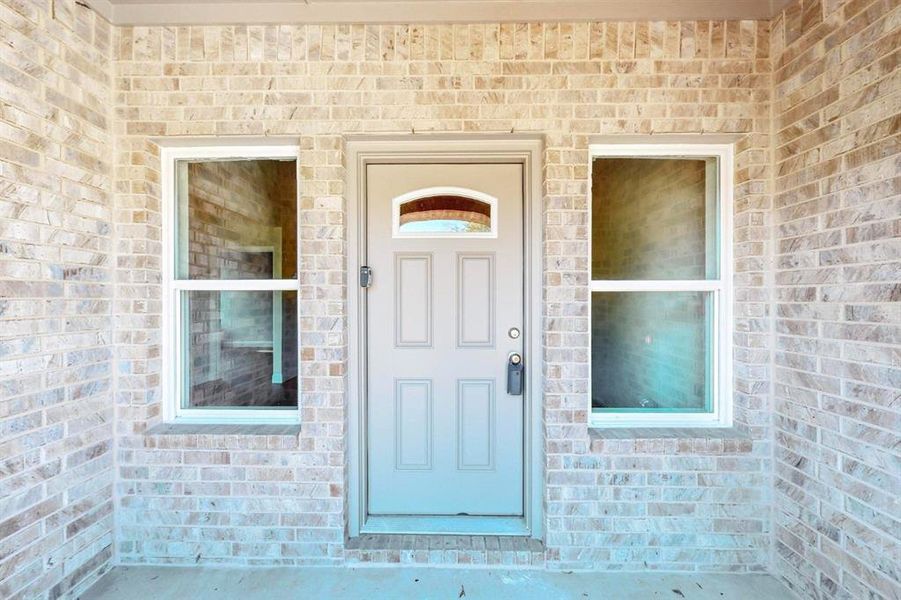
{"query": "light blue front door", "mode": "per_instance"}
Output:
(444, 314)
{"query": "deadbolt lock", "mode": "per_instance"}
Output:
(514, 374)
(365, 277)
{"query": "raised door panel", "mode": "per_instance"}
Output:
(413, 424)
(413, 301)
(476, 425)
(475, 300)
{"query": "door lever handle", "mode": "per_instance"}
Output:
(514, 374)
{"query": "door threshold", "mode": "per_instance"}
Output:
(445, 525)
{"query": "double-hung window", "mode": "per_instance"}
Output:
(661, 285)
(230, 267)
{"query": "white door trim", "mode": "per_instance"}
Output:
(364, 150)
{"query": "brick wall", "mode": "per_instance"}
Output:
(56, 291)
(838, 297)
(281, 499)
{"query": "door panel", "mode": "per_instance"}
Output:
(413, 300)
(413, 423)
(476, 425)
(444, 436)
(476, 286)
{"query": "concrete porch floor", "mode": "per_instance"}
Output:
(371, 583)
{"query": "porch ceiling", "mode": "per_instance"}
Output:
(201, 12)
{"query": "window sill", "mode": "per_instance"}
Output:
(670, 440)
(226, 436)
(658, 433)
(223, 429)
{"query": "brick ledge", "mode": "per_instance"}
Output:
(659, 433)
(671, 440)
(223, 429)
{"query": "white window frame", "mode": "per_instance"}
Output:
(172, 363)
(721, 289)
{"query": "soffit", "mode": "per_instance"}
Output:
(253, 12)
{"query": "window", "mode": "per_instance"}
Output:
(660, 285)
(231, 284)
(444, 212)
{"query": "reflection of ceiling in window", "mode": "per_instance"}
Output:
(457, 213)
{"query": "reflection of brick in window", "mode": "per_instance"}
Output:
(473, 215)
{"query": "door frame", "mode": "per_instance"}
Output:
(417, 148)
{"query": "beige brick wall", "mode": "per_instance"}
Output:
(185, 499)
(837, 371)
(56, 290)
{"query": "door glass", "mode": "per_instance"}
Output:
(236, 219)
(443, 215)
(241, 350)
(651, 351)
(654, 218)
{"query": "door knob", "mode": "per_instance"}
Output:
(514, 374)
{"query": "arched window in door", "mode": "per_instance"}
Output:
(445, 212)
